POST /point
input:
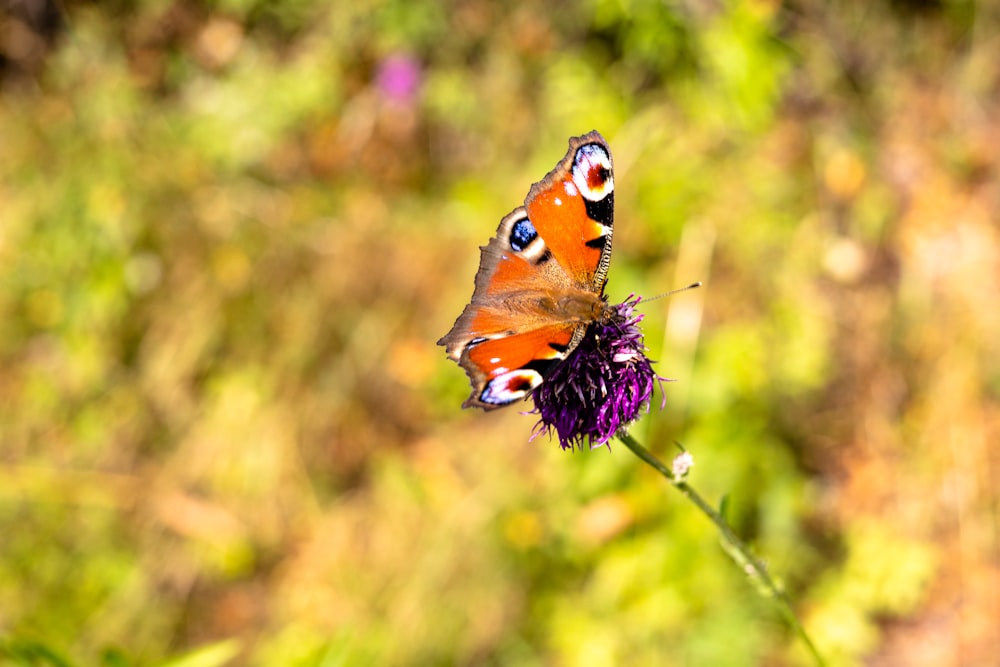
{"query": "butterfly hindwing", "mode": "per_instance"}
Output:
(508, 368)
(540, 280)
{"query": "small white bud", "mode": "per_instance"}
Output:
(682, 464)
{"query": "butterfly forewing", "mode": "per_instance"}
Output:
(572, 208)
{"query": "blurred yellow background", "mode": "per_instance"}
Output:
(231, 232)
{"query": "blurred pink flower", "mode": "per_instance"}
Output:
(399, 77)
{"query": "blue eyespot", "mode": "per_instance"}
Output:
(522, 234)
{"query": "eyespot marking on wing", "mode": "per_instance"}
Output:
(522, 233)
(592, 172)
(510, 386)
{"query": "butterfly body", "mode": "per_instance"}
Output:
(541, 279)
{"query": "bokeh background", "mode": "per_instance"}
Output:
(231, 232)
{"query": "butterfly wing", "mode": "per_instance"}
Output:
(540, 279)
(572, 208)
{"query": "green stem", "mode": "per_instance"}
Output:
(737, 549)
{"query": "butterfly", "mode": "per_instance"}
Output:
(541, 279)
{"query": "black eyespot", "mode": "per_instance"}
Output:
(522, 234)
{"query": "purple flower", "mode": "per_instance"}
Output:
(399, 77)
(602, 385)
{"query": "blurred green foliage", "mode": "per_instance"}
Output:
(230, 233)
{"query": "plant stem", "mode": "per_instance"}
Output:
(735, 547)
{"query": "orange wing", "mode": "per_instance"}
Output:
(572, 208)
(540, 280)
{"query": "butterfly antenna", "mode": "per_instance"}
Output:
(674, 291)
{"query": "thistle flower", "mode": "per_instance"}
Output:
(603, 384)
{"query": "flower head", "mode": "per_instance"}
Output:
(602, 385)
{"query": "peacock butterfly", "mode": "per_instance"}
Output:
(541, 279)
